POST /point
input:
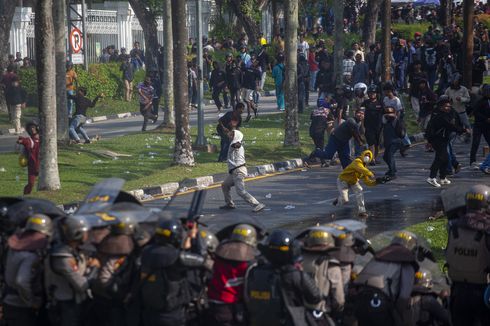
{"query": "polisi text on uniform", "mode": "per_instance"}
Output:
(465, 251)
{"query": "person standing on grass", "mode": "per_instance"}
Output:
(237, 171)
(279, 75)
(128, 77)
(82, 103)
(31, 145)
(146, 92)
(15, 96)
(482, 124)
(459, 96)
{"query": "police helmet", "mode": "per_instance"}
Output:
(74, 228)
(406, 239)
(282, 248)
(347, 89)
(169, 231)
(126, 226)
(477, 198)
(372, 89)
(423, 278)
(244, 233)
(318, 239)
(360, 88)
(40, 223)
(210, 240)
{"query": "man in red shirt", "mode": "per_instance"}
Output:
(31, 145)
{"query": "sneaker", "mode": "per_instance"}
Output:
(326, 164)
(228, 206)
(475, 166)
(363, 215)
(87, 141)
(433, 182)
(335, 202)
(445, 181)
(258, 208)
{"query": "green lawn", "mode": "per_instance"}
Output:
(151, 162)
(435, 233)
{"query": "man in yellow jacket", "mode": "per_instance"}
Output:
(349, 179)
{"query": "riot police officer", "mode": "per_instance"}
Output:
(164, 287)
(68, 274)
(232, 259)
(23, 276)
(117, 256)
(381, 292)
(326, 272)
(425, 308)
(276, 292)
(468, 259)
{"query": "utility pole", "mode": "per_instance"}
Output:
(201, 140)
(386, 41)
(468, 12)
(84, 30)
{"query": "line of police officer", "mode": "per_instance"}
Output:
(175, 274)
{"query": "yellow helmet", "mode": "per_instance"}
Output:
(22, 160)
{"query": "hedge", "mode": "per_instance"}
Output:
(100, 78)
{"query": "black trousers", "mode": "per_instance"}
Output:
(475, 142)
(440, 160)
(17, 316)
(467, 306)
(172, 318)
(216, 93)
(225, 315)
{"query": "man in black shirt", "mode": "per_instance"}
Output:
(226, 124)
(372, 120)
(250, 83)
(82, 103)
(263, 59)
(128, 77)
(217, 82)
(233, 79)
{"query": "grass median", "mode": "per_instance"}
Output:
(150, 163)
(435, 233)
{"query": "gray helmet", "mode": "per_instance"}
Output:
(126, 226)
(319, 239)
(210, 240)
(477, 198)
(406, 239)
(244, 233)
(40, 223)
(423, 278)
(74, 228)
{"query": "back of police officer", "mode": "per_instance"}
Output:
(327, 274)
(276, 292)
(68, 274)
(468, 259)
(23, 276)
(164, 288)
(382, 290)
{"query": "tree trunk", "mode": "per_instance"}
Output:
(49, 178)
(468, 13)
(7, 10)
(59, 15)
(250, 26)
(168, 63)
(148, 22)
(338, 11)
(183, 147)
(445, 13)
(370, 20)
(276, 25)
(291, 134)
(386, 41)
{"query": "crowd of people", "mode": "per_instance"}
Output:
(114, 262)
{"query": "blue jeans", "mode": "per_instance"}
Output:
(389, 155)
(70, 103)
(76, 126)
(485, 164)
(335, 146)
(313, 79)
(280, 98)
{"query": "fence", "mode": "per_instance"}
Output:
(114, 24)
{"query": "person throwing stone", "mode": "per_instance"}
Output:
(237, 172)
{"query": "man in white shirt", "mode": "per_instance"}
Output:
(303, 46)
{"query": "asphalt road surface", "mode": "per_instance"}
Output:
(302, 198)
(119, 127)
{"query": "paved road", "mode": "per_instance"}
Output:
(303, 198)
(120, 127)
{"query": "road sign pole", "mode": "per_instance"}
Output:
(201, 140)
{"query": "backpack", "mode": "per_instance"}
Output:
(430, 58)
(159, 293)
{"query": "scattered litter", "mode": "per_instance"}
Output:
(279, 134)
(115, 158)
(141, 163)
(152, 153)
(152, 157)
(430, 228)
(216, 137)
(304, 170)
(188, 170)
(267, 209)
(17, 178)
(159, 138)
(141, 156)
(395, 196)
(78, 153)
(253, 142)
(268, 196)
(147, 197)
(429, 241)
(127, 172)
(97, 162)
(289, 207)
(148, 146)
(167, 198)
(2, 169)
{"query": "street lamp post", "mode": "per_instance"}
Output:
(201, 140)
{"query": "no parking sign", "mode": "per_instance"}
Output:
(76, 40)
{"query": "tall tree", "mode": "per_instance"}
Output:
(291, 134)
(7, 10)
(147, 12)
(276, 26)
(49, 178)
(168, 63)
(386, 41)
(183, 147)
(59, 17)
(338, 55)
(445, 10)
(370, 21)
(243, 10)
(468, 13)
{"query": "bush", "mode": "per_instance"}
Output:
(100, 78)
